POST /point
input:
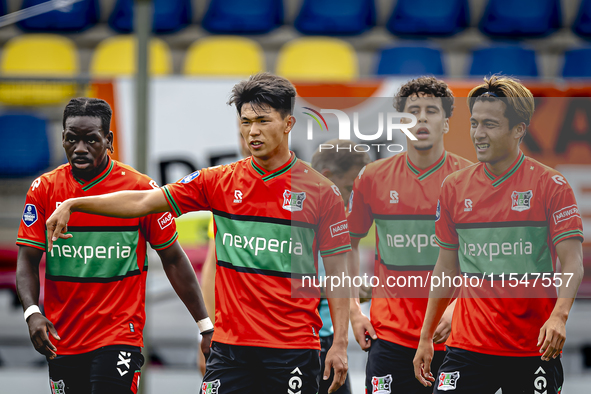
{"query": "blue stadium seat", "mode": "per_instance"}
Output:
(336, 17)
(243, 17)
(26, 145)
(429, 17)
(410, 60)
(523, 18)
(3, 7)
(169, 16)
(577, 63)
(509, 60)
(74, 18)
(582, 24)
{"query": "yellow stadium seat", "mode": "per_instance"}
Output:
(38, 56)
(116, 56)
(224, 56)
(318, 59)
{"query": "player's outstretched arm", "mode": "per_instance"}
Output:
(359, 322)
(338, 302)
(553, 333)
(27, 285)
(447, 263)
(184, 281)
(125, 204)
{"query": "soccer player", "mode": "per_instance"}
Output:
(340, 163)
(508, 216)
(400, 195)
(95, 283)
(273, 214)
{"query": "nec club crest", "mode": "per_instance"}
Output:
(58, 387)
(448, 380)
(211, 387)
(521, 201)
(293, 201)
(381, 384)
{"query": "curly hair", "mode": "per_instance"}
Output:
(429, 86)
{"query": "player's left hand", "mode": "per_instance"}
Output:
(336, 358)
(444, 327)
(206, 344)
(57, 224)
(552, 337)
(422, 362)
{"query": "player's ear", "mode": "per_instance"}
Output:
(446, 126)
(290, 123)
(109, 137)
(519, 131)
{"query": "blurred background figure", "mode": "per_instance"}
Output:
(337, 161)
(198, 49)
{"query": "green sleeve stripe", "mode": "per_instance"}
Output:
(567, 234)
(28, 242)
(340, 249)
(445, 245)
(358, 235)
(171, 202)
(167, 243)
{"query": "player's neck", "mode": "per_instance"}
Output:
(272, 163)
(499, 167)
(425, 158)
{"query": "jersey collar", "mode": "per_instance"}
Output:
(97, 179)
(268, 175)
(496, 181)
(422, 174)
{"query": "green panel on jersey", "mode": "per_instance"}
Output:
(507, 250)
(94, 255)
(407, 242)
(265, 246)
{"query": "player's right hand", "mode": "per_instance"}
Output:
(363, 330)
(39, 326)
(422, 362)
(57, 224)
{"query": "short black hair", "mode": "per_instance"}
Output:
(93, 107)
(429, 86)
(264, 89)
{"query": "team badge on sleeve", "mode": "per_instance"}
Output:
(30, 215)
(211, 387)
(189, 177)
(438, 213)
(381, 384)
(293, 201)
(521, 201)
(448, 380)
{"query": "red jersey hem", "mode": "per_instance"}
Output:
(409, 344)
(81, 350)
(495, 352)
(268, 344)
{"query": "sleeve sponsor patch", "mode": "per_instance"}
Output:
(189, 177)
(351, 201)
(339, 228)
(566, 213)
(438, 213)
(165, 220)
(30, 215)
